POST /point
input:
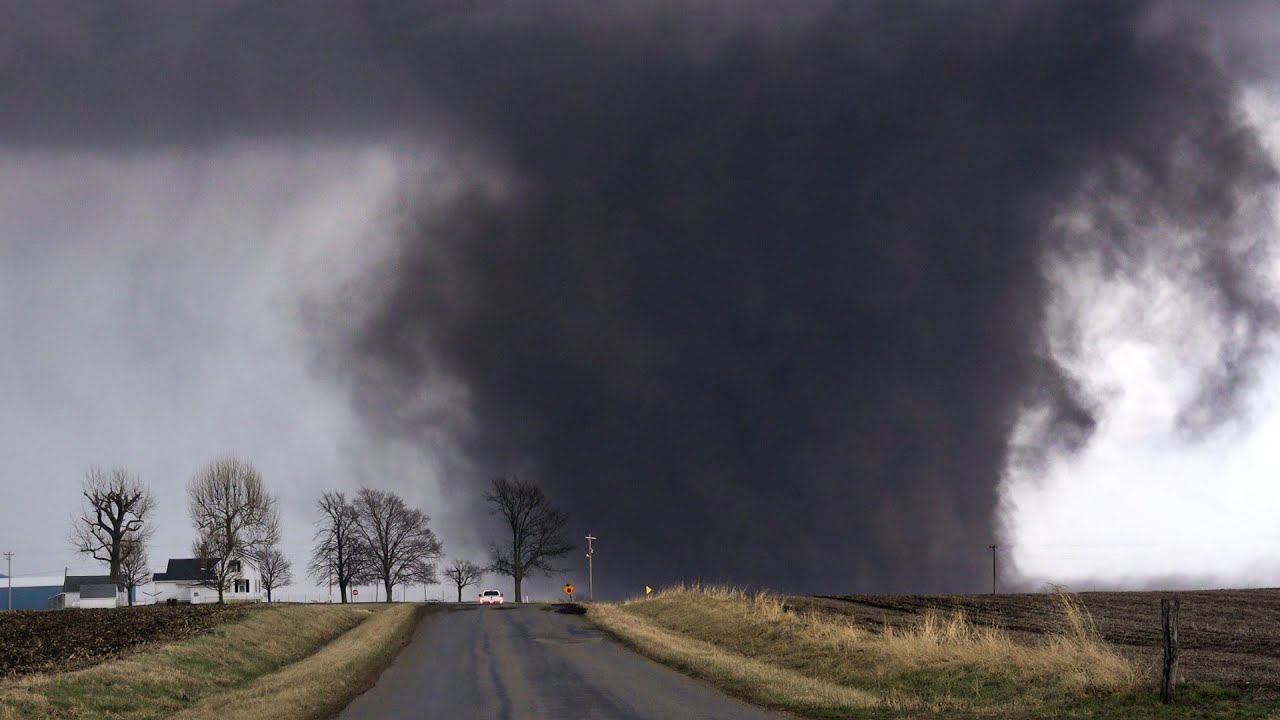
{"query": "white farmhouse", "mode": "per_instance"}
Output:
(194, 580)
(89, 591)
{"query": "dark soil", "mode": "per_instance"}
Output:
(1228, 637)
(37, 641)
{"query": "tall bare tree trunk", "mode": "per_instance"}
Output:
(114, 518)
(537, 531)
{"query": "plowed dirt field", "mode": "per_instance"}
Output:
(58, 640)
(1228, 637)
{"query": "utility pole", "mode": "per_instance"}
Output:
(993, 569)
(591, 590)
(8, 571)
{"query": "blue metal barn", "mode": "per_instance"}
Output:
(30, 593)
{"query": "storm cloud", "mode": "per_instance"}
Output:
(769, 295)
(767, 301)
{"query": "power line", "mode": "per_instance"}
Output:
(8, 557)
(590, 568)
(993, 568)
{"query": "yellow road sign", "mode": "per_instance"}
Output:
(647, 589)
(568, 588)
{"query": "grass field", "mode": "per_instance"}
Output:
(1028, 656)
(298, 661)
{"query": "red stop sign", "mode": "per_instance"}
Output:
(355, 592)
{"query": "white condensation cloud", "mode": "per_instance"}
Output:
(152, 316)
(1142, 505)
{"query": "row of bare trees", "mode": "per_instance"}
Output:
(376, 536)
(234, 516)
(373, 536)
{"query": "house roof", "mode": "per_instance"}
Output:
(75, 583)
(97, 591)
(188, 569)
(21, 581)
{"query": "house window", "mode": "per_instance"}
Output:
(242, 586)
(233, 566)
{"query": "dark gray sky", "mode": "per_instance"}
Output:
(758, 294)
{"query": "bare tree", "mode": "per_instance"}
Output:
(234, 515)
(338, 555)
(397, 539)
(275, 569)
(203, 548)
(536, 530)
(114, 516)
(265, 536)
(218, 572)
(135, 570)
(463, 573)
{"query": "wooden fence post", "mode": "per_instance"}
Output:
(1169, 627)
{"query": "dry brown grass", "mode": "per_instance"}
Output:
(1230, 638)
(280, 662)
(323, 683)
(755, 647)
(754, 679)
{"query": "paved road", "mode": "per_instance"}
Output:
(515, 662)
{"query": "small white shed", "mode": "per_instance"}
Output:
(89, 591)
